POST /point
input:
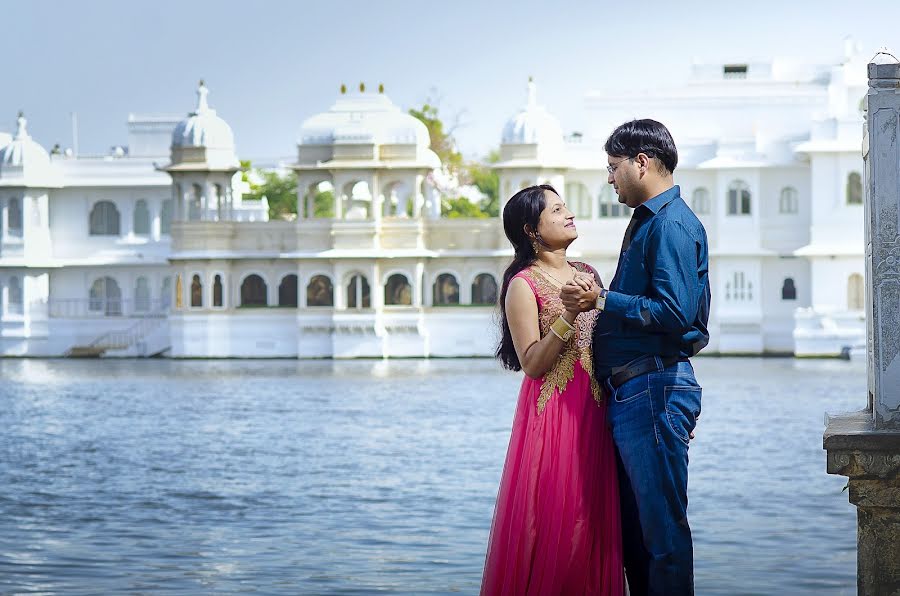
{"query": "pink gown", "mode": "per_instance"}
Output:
(556, 527)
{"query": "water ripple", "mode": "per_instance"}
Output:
(335, 477)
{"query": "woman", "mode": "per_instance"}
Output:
(556, 523)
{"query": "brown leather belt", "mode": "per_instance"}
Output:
(641, 366)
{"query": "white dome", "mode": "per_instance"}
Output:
(533, 125)
(5, 139)
(364, 118)
(202, 127)
(23, 158)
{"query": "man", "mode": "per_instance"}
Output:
(653, 318)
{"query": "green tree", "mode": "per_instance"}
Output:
(246, 166)
(280, 191)
(461, 207)
(442, 141)
(323, 203)
(485, 178)
(480, 174)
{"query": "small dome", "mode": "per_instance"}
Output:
(202, 127)
(22, 156)
(5, 139)
(364, 118)
(533, 124)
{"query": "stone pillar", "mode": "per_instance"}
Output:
(865, 446)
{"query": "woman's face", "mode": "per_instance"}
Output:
(556, 225)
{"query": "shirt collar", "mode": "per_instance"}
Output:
(661, 200)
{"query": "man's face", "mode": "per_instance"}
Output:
(625, 177)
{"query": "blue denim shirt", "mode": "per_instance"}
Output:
(658, 301)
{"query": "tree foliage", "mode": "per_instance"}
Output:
(442, 141)
(485, 178)
(461, 207)
(478, 174)
(281, 193)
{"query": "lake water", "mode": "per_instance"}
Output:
(356, 477)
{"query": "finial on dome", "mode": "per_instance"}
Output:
(343, 89)
(381, 87)
(532, 92)
(21, 123)
(202, 102)
(362, 87)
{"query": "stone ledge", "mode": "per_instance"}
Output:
(855, 431)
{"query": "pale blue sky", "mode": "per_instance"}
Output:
(270, 65)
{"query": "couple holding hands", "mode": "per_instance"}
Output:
(594, 487)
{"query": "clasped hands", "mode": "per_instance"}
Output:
(580, 294)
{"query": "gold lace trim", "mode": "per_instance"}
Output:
(577, 349)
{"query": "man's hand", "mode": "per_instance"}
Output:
(580, 294)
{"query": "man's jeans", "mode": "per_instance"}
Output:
(652, 417)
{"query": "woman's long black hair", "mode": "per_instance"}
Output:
(523, 208)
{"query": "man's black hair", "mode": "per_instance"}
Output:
(644, 136)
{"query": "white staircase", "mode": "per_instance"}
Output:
(131, 339)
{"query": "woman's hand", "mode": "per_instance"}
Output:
(585, 280)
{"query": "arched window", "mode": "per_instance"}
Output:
(14, 217)
(738, 289)
(105, 297)
(788, 290)
(141, 295)
(217, 290)
(165, 217)
(738, 198)
(104, 219)
(319, 291)
(484, 289)
(856, 295)
(165, 295)
(14, 296)
(195, 204)
(287, 291)
(610, 205)
(854, 189)
(253, 291)
(141, 218)
(358, 293)
(196, 292)
(446, 290)
(578, 199)
(700, 201)
(788, 203)
(397, 291)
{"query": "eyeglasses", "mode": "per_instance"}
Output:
(611, 168)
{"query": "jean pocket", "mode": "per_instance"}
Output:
(682, 409)
(632, 390)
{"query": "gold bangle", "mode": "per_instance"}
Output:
(562, 329)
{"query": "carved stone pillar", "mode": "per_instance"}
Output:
(865, 446)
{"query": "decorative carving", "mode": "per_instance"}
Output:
(888, 307)
(886, 261)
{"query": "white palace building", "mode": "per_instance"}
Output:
(151, 250)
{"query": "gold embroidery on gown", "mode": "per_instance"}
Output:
(577, 349)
